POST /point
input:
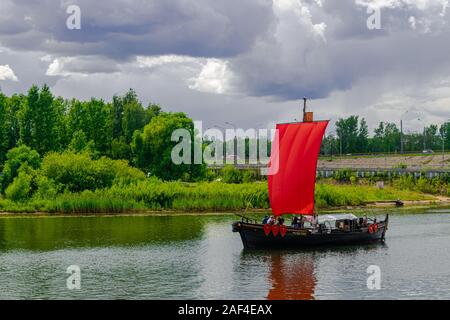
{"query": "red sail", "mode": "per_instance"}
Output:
(293, 164)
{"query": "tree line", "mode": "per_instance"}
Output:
(122, 129)
(125, 129)
(352, 137)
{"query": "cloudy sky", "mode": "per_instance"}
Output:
(248, 62)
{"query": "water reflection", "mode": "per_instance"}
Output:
(51, 233)
(292, 277)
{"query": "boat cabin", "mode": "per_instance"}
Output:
(343, 222)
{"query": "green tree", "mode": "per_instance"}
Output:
(3, 127)
(347, 131)
(27, 116)
(363, 136)
(134, 116)
(432, 139)
(61, 130)
(92, 118)
(120, 149)
(16, 103)
(137, 150)
(158, 145)
(16, 158)
(116, 117)
(45, 139)
(79, 142)
(391, 137)
(38, 120)
(444, 131)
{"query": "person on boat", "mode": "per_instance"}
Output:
(280, 221)
(271, 220)
(265, 220)
(295, 222)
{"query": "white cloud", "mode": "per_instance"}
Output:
(79, 66)
(215, 77)
(6, 73)
(56, 68)
(412, 22)
(201, 74)
(303, 14)
(154, 61)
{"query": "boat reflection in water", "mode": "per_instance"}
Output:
(305, 274)
(291, 277)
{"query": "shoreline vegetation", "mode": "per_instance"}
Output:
(75, 183)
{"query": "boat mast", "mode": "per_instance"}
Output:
(305, 99)
(308, 117)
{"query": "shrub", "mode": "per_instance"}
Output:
(406, 182)
(78, 172)
(344, 175)
(46, 188)
(16, 158)
(401, 165)
(231, 175)
(249, 176)
(19, 190)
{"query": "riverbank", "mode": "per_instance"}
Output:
(155, 197)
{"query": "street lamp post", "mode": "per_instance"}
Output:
(235, 142)
(444, 127)
(221, 128)
(402, 140)
(401, 137)
(443, 149)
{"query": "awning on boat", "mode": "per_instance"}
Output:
(335, 217)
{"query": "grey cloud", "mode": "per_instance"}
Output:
(293, 63)
(275, 56)
(121, 29)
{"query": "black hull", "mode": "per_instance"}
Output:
(254, 237)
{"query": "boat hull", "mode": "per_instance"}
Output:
(254, 237)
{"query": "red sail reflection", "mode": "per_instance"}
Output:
(292, 278)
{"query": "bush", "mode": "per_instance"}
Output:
(344, 175)
(46, 188)
(402, 165)
(231, 175)
(19, 190)
(249, 176)
(406, 182)
(16, 158)
(78, 172)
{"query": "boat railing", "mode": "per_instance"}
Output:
(248, 220)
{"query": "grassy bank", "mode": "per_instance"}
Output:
(199, 197)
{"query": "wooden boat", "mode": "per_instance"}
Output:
(291, 181)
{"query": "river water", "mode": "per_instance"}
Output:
(198, 257)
